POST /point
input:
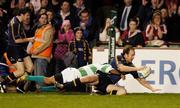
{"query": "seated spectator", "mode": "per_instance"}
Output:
(103, 36)
(80, 47)
(156, 31)
(78, 6)
(133, 36)
(51, 18)
(65, 37)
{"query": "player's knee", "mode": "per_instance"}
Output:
(29, 68)
(121, 91)
(19, 72)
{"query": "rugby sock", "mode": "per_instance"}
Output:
(47, 88)
(73, 84)
(35, 78)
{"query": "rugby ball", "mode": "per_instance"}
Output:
(144, 72)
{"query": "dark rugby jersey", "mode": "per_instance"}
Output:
(121, 60)
(15, 31)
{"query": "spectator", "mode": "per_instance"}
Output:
(36, 4)
(126, 12)
(172, 6)
(173, 25)
(80, 47)
(15, 6)
(78, 6)
(3, 20)
(41, 49)
(89, 27)
(65, 13)
(145, 12)
(133, 36)
(164, 15)
(156, 31)
(55, 5)
(44, 3)
(51, 18)
(103, 37)
(65, 37)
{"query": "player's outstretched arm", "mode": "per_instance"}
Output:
(144, 83)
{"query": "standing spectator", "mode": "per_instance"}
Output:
(42, 47)
(126, 12)
(51, 18)
(80, 47)
(156, 31)
(145, 12)
(65, 13)
(15, 6)
(89, 27)
(172, 6)
(164, 15)
(36, 4)
(3, 24)
(3, 20)
(78, 6)
(65, 37)
(55, 5)
(44, 3)
(173, 26)
(133, 36)
(16, 52)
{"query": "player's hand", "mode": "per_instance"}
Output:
(155, 90)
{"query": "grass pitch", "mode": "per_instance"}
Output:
(77, 100)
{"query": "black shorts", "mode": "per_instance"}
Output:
(104, 81)
(16, 53)
(58, 77)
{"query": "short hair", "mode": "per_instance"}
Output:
(135, 19)
(127, 49)
(84, 11)
(24, 11)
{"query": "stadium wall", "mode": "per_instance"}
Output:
(165, 64)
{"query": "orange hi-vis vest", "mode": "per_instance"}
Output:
(39, 39)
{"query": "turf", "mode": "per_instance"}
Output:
(75, 100)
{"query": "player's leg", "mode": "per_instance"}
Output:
(115, 90)
(93, 79)
(42, 79)
(28, 64)
(14, 75)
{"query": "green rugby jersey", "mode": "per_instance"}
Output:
(92, 69)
